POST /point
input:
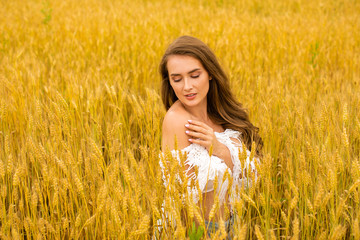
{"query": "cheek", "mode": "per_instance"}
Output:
(205, 83)
(174, 88)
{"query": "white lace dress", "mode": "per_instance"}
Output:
(211, 166)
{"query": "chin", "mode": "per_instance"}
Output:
(188, 103)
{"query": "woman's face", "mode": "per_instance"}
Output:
(189, 79)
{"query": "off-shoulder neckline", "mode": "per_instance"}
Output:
(227, 130)
(194, 144)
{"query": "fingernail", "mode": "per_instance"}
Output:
(186, 131)
(187, 125)
(189, 121)
(190, 140)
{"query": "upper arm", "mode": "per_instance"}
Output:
(174, 126)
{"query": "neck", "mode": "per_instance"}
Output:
(199, 112)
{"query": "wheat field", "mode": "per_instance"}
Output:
(81, 115)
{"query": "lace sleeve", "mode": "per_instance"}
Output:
(239, 172)
(208, 168)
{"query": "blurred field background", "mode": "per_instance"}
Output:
(80, 118)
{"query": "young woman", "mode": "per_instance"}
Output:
(203, 114)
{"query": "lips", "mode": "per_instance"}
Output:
(190, 96)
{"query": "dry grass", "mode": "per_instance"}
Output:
(80, 116)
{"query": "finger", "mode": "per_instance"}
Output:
(199, 123)
(198, 141)
(196, 128)
(197, 135)
(203, 128)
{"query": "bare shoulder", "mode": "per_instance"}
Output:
(174, 125)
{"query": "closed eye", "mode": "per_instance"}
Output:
(195, 76)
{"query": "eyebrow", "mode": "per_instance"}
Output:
(177, 74)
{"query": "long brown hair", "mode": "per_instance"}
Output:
(222, 106)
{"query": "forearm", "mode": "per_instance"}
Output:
(223, 152)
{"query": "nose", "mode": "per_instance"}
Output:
(187, 84)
